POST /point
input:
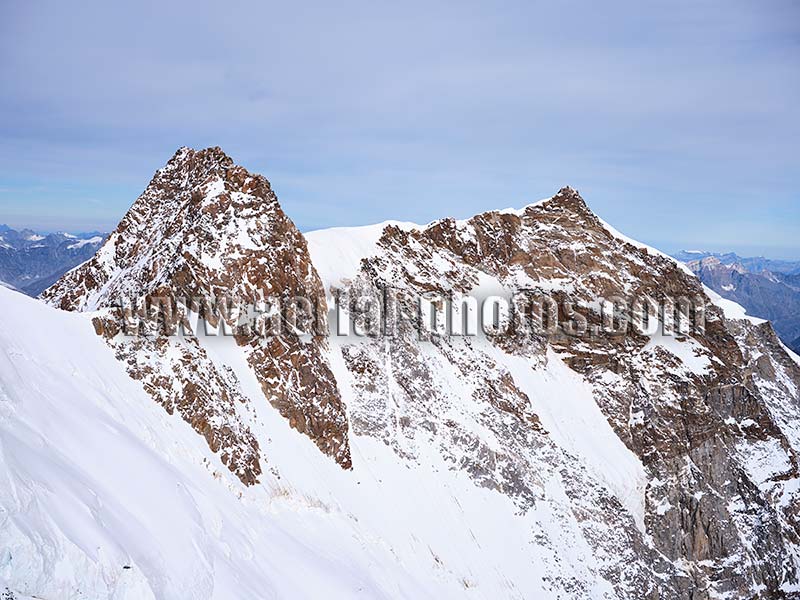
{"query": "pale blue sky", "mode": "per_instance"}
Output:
(678, 121)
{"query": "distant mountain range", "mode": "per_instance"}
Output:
(753, 264)
(766, 288)
(31, 262)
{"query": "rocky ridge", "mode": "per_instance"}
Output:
(720, 469)
(667, 463)
(206, 229)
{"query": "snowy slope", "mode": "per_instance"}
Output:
(337, 251)
(647, 422)
(97, 478)
(402, 466)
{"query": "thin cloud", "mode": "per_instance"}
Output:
(368, 112)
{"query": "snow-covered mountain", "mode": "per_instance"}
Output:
(405, 463)
(32, 262)
(765, 288)
(751, 264)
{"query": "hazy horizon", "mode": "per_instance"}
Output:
(670, 247)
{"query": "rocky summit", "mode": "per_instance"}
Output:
(577, 460)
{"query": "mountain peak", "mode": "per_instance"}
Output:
(568, 191)
(569, 198)
(210, 155)
(193, 168)
(201, 214)
(205, 228)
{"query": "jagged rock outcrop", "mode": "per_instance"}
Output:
(639, 464)
(720, 469)
(203, 231)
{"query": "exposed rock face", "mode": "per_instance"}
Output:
(640, 466)
(710, 430)
(206, 229)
